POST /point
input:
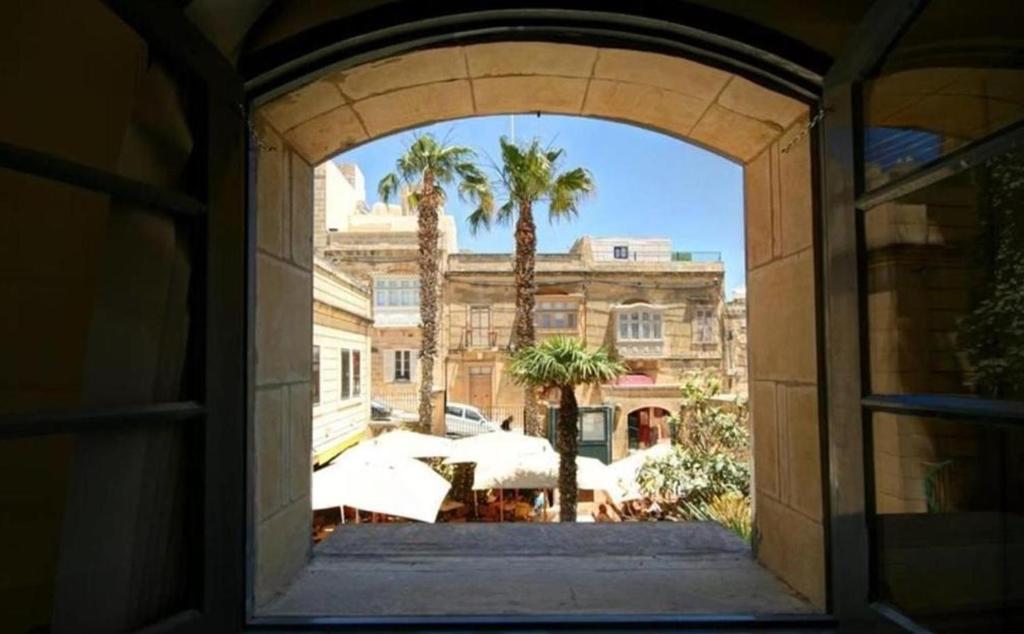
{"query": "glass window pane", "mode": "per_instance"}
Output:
(948, 522)
(346, 374)
(592, 426)
(623, 327)
(954, 77)
(945, 296)
(634, 330)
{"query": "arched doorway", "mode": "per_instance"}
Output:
(648, 426)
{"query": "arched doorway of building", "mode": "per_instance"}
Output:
(648, 426)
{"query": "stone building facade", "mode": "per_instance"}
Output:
(378, 245)
(735, 327)
(659, 310)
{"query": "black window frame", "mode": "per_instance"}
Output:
(402, 371)
(845, 199)
(620, 252)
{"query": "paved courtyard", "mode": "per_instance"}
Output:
(488, 569)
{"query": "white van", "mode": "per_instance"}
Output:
(465, 420)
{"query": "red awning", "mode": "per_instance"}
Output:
(634, 379)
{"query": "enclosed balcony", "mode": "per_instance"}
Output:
(638, 331)
(557, 315)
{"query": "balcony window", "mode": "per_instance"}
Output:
(555, 315)
(479, 326)
(640, 325)
(396, 292)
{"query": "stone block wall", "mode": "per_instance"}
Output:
(789, 513)
(282, 513)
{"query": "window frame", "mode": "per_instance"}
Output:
(406, 288)
(620, 252)
(634, 319)
(344, 374)
(849, 403)
(479, 335)
(704, 334)
(402, 368)
(571, 312)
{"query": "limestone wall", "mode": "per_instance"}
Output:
(282, 514)
(790, 538)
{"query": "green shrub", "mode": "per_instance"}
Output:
(707, 474)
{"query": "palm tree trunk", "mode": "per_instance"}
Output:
(429, 265)
(523, 333)
(568, 449)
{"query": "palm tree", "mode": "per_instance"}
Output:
(425, 169)
(564, 363)
(530, 174)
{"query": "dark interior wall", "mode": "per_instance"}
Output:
(95, 294)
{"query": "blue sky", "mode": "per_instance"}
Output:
(648, 184)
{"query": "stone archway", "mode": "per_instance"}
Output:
(760, 129)
(642, 421)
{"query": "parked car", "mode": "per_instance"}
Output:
(465, 420)
(381, 411)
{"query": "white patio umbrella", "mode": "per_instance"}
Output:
(408, 444)
(540, 471)
(625, 471)
(376, 481)
(495, 445)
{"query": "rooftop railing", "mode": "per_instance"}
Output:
(696, 256)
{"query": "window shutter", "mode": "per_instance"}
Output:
(414, 366)
(389, 366)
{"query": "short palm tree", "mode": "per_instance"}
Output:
(530, 174)
(425, 169)
(564, 363)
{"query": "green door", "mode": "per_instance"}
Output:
(595, 431)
